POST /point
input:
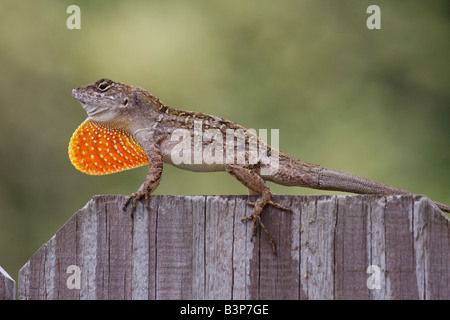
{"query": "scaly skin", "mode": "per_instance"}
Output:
(128, 127)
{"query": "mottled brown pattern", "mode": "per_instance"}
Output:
(152, 123)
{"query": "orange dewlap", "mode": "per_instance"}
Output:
(99, 149)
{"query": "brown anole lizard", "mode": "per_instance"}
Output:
(128, 127)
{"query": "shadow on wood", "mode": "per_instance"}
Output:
(196, 247)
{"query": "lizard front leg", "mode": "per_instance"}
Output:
(256, 185)
(151, 181)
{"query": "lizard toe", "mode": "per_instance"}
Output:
(274, 204)
(256, 218)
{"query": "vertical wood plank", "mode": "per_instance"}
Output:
(421, 238)
(24, 284)
(142, 254)
(119, 230)
(243, 253)
(102, 269)
(87, 240)
(66, 254)
(400, 261)
(297, 206)
(151, 225)
(32, 276)
(433, 240)
(318, 223)
(279, 274)
(7, 286)
(174, 249)
(350, 249)
(376, 245)
(219, 248)
(198, 247)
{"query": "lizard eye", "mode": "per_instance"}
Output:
(103, 86)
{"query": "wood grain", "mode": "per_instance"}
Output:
(196, 247)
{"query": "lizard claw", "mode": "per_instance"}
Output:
(134, 198)
(125, 205)
(256, 218)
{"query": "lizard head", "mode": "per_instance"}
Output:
(106, 100)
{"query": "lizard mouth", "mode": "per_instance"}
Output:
(91, 109)
(77, 95)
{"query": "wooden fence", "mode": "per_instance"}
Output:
(7, 286)
(196, 247)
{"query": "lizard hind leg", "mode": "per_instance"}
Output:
(256, 185)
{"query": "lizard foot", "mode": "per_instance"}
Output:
(256, 218)
(134, 198)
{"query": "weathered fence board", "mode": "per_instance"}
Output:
(196, 247)
(7, 286)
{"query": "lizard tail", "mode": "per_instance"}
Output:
(330, 179)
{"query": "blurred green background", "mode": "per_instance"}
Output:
(375, 103)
